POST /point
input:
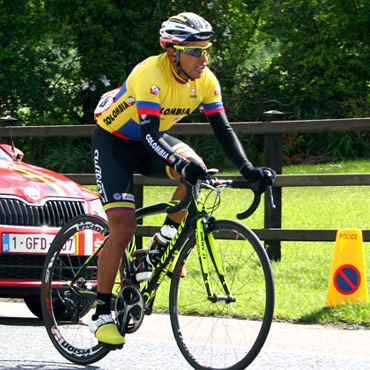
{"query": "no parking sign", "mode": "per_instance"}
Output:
(347, 281)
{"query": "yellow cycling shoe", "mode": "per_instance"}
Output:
(106, 331)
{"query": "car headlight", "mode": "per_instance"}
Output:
(97, 208)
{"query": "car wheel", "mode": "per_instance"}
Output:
(34, 305)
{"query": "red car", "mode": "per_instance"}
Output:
(34, 204)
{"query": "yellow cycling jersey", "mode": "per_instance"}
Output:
(154, 88)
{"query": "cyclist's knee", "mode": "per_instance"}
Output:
(122, 227)
(120, 240)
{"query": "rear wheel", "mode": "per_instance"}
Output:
(223, 331)
(68, 302)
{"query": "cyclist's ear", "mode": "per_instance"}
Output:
(171, 54)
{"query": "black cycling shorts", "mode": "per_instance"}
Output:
(116, 160)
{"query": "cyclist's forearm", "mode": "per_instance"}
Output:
(154, 143)
(228, 140)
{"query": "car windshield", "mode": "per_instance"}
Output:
(4, 155)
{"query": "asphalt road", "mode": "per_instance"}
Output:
(25, 345)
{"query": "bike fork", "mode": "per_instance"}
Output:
(206, 246)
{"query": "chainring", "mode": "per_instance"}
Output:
(129, 308)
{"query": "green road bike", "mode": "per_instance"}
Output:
(220, 312)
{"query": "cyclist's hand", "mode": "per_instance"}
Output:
(191, 171)
(266, 176)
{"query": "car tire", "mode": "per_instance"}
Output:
(34, 305)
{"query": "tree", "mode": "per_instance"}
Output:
(322, 67)
(33, 84)
(306, 58)
(111, 37)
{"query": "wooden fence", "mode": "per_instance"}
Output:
(273, 130)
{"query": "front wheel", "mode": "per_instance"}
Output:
(227, 329)
(69, 281)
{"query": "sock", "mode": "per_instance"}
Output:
(103, 305)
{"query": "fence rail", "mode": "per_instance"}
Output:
(258, 127)
(272, 232)
(335, 179)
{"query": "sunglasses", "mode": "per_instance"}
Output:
(194, 51)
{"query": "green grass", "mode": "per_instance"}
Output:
(302, 275)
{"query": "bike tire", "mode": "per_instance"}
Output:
(67, 308)
(223, 335)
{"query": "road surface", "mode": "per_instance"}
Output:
(25, 345)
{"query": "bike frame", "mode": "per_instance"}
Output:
(198, 219)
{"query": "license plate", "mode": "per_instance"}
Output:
(33, 243)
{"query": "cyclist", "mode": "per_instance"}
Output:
(130, 136)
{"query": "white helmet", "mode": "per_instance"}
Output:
(184, 27)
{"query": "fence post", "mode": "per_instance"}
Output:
(274, 160)
(8, 121)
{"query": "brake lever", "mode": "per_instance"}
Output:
(272, 201)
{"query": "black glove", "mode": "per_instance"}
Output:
(191, 171)
(266, 176)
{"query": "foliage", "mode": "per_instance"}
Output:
(33, 80)
(110, 38)
(211, 152)
(321, 70)
(308, 59)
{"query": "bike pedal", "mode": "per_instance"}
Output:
(111, 347)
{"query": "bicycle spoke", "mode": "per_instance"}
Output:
(224, 333)
(69, 289)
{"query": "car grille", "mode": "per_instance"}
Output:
(29, 267)
(21, 266)
(54, 213)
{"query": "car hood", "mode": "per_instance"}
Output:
(34, 183)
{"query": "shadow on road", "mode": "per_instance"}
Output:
(20, 321)
(43, 365)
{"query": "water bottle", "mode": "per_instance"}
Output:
(143, 269)
(159, 243)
